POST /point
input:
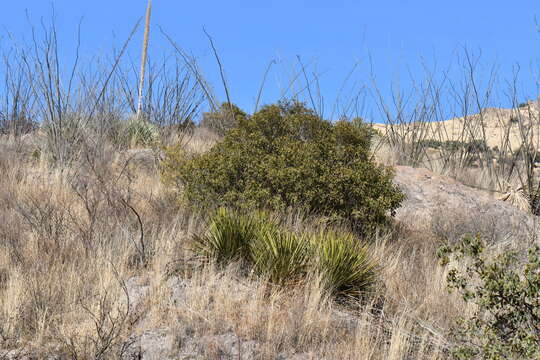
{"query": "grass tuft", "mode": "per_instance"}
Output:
(227, 238)
(280, 255)
(344, 263)
(287, 258)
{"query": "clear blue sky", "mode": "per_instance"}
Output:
(334, 35)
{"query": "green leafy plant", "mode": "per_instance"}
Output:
(286, 156)
(141, 132)
(228, 237)
(363, 126)
(280, 255)
(506, 291)
(343, 263)
(284, 257)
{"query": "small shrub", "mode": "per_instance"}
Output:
(283, 257)
(359, 123)
(228, 237)
(476, 146)
(64, 140)
(286, 156)
(224, 119)
(430, 143)
(506, 324)
(280, 255)
(455, 145)
(343, 263)
(140, 132)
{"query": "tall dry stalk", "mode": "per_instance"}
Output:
(144, 56)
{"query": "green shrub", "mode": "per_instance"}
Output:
(343, 263)
(286, 156)
(228, 237)
(359, 123)
(287, 258)
(280, 255)
(506, 324)
(224, 119)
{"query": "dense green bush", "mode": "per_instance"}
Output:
(506, 324)
(223, 119)
(286, 156)
(284, 257)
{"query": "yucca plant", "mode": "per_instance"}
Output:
(140, 132)
(343, 263)
(280, 255)
(228, 237)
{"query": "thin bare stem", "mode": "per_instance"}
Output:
(144, 56)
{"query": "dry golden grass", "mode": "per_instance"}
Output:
(73, 280)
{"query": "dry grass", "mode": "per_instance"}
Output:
(74, 278)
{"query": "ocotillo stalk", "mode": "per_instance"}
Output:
(144, 55)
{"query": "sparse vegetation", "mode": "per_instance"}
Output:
(453, 145)
(223, 119)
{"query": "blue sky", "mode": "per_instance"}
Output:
(390, 37)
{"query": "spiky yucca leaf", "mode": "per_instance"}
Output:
(280, 255)
(228, 237)
(344, 263)
(141, 132)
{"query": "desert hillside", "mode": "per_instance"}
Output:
(148, 213)
(100, 253)
(499, 127)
